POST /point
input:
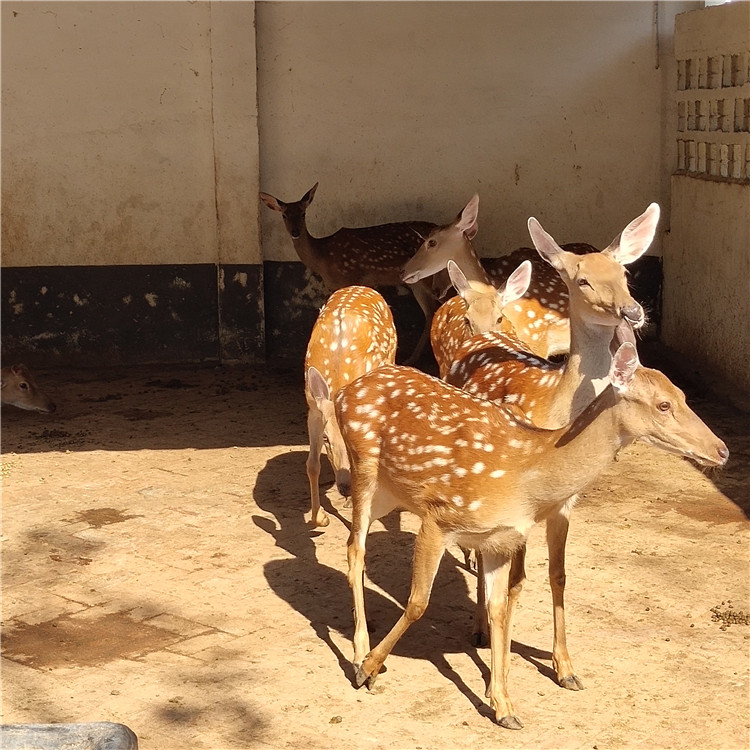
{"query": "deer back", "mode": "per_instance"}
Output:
(353, 334)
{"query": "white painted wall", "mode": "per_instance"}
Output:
(122, 123)
(403, 110)
(706, 300)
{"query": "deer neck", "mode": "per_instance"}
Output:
(468, 261)
(579, 453)
(585, 374)
(307, 248)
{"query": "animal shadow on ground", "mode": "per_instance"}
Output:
(321, 593)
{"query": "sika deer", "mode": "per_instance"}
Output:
(552, 395)
(540, 319)
(476, 309)
(477, 476)
(18, 388)
(354, 333)
(366, 256)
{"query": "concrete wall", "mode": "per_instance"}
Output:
(706, 304)
(135, 141)
(403, 110)
(130, 151)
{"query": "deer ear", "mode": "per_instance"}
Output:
(317, 385)
(272, 203)
(624, 364)
(309, 195)
(467, 219)
(545, 245)
(457, 277)
(635, 239)
(517, 283)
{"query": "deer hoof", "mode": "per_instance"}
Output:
(321, 521)
(571, 682)
(510, 722)
(362, 678)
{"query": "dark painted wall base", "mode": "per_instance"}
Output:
(107, 315)
(114, 315)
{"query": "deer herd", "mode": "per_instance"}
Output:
(505, 437)
(539, 387)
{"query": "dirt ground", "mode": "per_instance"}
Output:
(157, 570)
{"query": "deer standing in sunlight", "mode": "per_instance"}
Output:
(478, 476)
(553, 394)
(354, 334)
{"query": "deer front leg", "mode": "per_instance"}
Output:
(497, 576)
(480, 634)
(429, 304)
(428, 551)
(355, 553)
(557, 534)
(315, 432)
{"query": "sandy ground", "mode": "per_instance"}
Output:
(157, 570)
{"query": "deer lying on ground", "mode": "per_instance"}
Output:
(18, 388)
(477, 308)
(366, 256)
(540, 318)
(552, 394)
(354, 334)
(479, 477)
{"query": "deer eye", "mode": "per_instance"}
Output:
(665, 406)
(583, 282)
(431, 243)
(23, 385)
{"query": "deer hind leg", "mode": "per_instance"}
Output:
(369, 504)
(497, 568)
(557, 534)
(515, 586)
(429, 305)
(315, 431)
(428, 551)
(480, 634)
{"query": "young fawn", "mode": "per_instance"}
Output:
(479, 477)
(553, 394)
(354, 333)
(477, 308)
(366, 256)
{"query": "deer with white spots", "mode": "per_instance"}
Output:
(366, 256)
(539, 318)
(553, 394)
(477, 308)
(18, 388)
(354, 334)
(478, 476)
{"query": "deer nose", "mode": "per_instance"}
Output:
(633, 314)
(723, 452)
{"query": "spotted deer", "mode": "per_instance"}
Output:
(476, 309)
(477, 475)
(553, 394)
(366, 256)
(540, 318)
(354, 333)
(18, 388)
